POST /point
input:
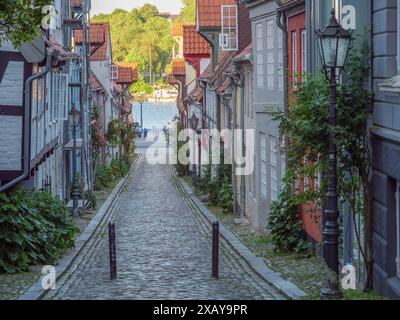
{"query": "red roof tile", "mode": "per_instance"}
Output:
(125, 76)
(134, 66)
(171, 79)
(76, 3)
(193, 43)
(178, 67)
(98, 34)
(209, 12)
(245, 52)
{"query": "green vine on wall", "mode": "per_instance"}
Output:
(306, 127)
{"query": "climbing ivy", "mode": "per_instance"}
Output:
(306, 128)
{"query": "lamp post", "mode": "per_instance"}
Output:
(142, 95)
(334, 43)
(194, 123)
(74, 119)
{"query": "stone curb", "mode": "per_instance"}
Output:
(36, 291)
(257, 264)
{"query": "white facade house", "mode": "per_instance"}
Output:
(40, 150)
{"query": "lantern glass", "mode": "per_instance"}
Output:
(343, 49)
(329, 50)
(74, 117)
(334, 43)
(193, 122)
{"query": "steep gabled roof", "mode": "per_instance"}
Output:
(99, 33)
(178, 67)
(193, 43)
(209, 12)
(132, 65)
(171, 79)
(125, 76)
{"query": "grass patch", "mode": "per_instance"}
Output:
(188, 180)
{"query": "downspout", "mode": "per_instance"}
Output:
(234, 181)
(283, 26)
(240, 84)
(27, 122)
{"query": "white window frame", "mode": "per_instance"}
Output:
(280, 59)
(60, 96)
(306, 179)
(303, 53)
(229, 37)
(263, 164)
(398, 229)
(113, 72)
(273, 165)
(270, 55)
(295, 68)
(260, 54)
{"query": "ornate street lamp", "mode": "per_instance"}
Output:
(142, 96)
(194, 124)
(74, 119)
(334, 43)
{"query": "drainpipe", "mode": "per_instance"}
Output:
(240, 84)
(27, 122)
(234, 181)
(283, 26)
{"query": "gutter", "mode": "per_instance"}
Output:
(27, 122)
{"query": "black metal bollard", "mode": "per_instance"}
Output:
(112, 250)
(215, 249)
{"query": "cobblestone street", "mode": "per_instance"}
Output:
(163, 251)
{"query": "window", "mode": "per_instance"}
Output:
(306, 178)
(229, 23)
(398, 229)
(283, 161)
(263, 164)
(294, 58)
(270, 55)
(303, 53)
(60, 96)
(273, 167)
(113, 72)
(280, 59)
(260, 55)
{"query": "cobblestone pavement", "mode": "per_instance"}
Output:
(163, 252)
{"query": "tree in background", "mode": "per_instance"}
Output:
(188, 13)
(20, 20)
(140, 36)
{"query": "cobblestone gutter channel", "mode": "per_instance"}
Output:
(83, 243)
(285, 288)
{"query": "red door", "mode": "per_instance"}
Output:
(297, 44)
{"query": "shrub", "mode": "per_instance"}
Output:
(35, 228)
(116, 169)
(104, 177)
(286, 228)
(225, 197)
